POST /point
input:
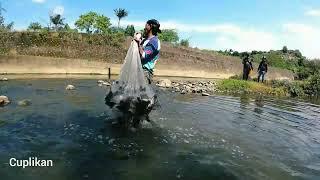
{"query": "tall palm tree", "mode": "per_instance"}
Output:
(120, 13)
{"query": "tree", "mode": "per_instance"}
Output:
(93, 23)
(57, 21)
(34, 26)
(102, 24)
(3, 26)
(130, 30)
(120, 13)
(184, 42)
(285, 49)
(67, 28)
(169, 35)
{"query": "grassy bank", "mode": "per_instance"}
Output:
(306, 88)
(234, 86)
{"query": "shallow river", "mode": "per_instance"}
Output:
(193, 137)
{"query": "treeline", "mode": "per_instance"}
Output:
(92, 23)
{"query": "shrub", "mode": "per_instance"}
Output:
(240, 86)
(184, 42)
(313, 86)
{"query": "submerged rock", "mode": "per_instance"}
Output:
(25, 102)
(70, 87)
(4, 100)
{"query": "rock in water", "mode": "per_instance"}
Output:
(4, 100)
(24, 102)
(165, 83)
(106, 84)
(70, 87)
(205, 94)
(4, 79)
(101, 82)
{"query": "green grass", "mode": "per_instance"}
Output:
(240, 86)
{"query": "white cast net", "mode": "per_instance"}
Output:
(131, 93)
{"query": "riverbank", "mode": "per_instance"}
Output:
(276, 88)
(33, 65)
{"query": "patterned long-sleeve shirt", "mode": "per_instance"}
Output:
(151, 51)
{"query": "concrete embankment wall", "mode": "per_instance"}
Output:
(19, 64)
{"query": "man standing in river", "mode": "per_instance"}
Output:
(149, 48)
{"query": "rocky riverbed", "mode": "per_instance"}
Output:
(205, 88)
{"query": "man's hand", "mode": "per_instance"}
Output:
(137, 38)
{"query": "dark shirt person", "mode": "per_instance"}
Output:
(247, 67)
(262, 69)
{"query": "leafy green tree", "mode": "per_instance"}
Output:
(102, 24)
(235, 53)
(120, 13)
(34, 26)
(285, 49)
(93, 23)
(169, 35)
(57, 21)
(184, 42)
(130, 30)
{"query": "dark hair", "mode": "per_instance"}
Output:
(155, 26)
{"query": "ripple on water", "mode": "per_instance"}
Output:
(192, 136)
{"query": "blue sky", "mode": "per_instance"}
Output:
(240, 25)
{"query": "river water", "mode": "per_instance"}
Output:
(192, 137)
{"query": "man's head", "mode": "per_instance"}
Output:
(152, 27)
(264, 58)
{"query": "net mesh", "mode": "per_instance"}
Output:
(131, 93)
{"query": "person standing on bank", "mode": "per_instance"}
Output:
(262, 69)
(247, 67)
(149, 48)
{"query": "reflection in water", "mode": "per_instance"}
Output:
(259, 105)
(194, 137)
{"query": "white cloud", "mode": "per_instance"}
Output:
(58, 10)
(304, 37)
(313, 12)
(39, 1)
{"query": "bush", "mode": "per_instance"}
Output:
(240, 86)
(313, 86)
(184, 42)
(296, 89)
(293, 88)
